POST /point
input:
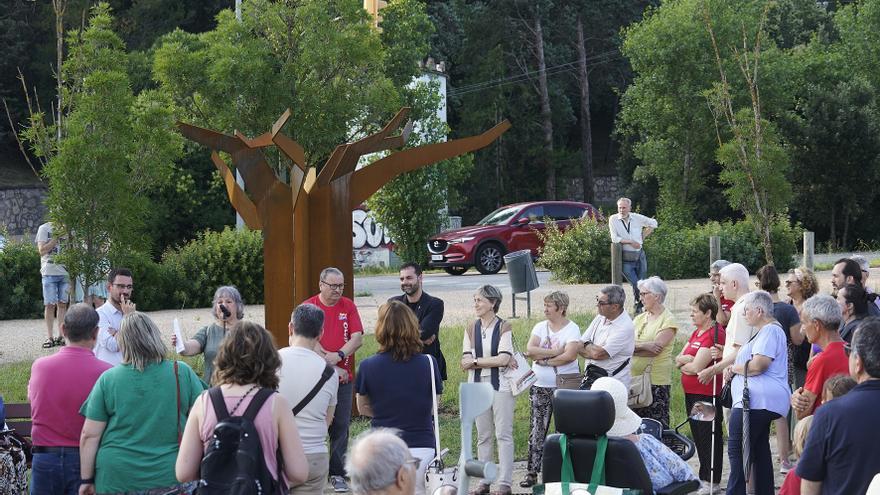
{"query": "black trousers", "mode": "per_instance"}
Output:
(702, 433)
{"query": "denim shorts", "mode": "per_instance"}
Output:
(55, 288)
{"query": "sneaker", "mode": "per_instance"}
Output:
(339, 485)
(785, 466)
(704, 488)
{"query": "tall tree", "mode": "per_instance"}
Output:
(586, 119)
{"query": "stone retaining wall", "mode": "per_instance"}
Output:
(22, 209)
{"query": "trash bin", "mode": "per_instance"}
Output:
(521, 271)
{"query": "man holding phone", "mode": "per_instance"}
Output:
(119, 288)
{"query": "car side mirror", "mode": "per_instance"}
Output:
(521, 221)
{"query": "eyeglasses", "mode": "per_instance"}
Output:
(789, 282)
(847, 349)
(334, 286)
(414, 462)
(602, 303)
(645, 293)
(122, 286)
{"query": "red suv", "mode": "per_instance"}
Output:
(507, 229)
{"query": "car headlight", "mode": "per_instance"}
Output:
(461, 239)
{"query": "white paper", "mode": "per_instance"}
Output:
(177, 335)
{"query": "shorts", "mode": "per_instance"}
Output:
(55, 288)
(99, 289)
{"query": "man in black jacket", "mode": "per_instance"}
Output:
(428, 310)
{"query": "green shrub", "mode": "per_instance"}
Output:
(684, 253)
(232, 257)
(22, 293)
(153, 282)
(579, 255)
(582, 253)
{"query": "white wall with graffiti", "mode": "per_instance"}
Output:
(371, 244)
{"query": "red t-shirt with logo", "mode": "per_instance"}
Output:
(726, 306)
(690, 383)
(341, 321)
(831, 361)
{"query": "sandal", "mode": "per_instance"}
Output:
(59, 341)
(49, 343)
(481, 489)
(502, 490)
(529, 481)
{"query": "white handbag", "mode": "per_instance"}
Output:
(438, 478)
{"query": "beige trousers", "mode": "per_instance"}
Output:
(319, 466)
(497, 422)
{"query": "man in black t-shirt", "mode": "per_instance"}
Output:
(428, 310)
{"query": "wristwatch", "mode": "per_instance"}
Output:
(341, 354)
(587, 343)
(89, 481)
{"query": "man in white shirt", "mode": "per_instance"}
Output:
(734, 285)
(310, 391)
(630, 230)
(119, 288)
(55, 281)
(610, 339)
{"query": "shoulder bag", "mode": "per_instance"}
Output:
(437, 474)
(571, 381)
(640, 394)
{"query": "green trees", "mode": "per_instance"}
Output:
(115, 146)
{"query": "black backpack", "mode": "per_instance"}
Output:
(233, 462)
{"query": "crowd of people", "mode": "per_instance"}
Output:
(113, 414)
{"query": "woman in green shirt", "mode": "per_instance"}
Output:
(655, 332)
(135, 415)
(209, 338)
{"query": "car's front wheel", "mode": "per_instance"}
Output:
(490, 259)
(456, 270)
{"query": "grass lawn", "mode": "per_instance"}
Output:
(14, 378)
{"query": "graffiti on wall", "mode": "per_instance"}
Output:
(371, 245)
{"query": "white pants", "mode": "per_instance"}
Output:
(425, 456)
(498, 422)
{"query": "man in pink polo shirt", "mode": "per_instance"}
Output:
(58, 386)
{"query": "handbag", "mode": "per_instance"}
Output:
(631, 256)
(14, 451)
(596, 486)
(727, 395)
(438, 476)
(570, 381)
(593, 372)
(640, 394)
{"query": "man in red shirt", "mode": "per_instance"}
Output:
(58, 386)
(342, 336)
(820, 319)
(724, 304)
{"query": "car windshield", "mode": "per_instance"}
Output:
(500, 216)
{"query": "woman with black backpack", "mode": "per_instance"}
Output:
(244, 406)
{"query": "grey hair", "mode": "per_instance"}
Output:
(717, 265)
(231, 292)
(374, 459)
(759, 300)
(739, 274)
(308, 320)
(862, 261)
(615, 294)
(140, 341)
(79, 322)
(625, 200)
(654, 285)
(330, 270)
(491, 293)
(824, 309)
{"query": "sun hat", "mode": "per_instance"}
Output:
(626, 422)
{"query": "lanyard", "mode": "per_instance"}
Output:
(626, 225)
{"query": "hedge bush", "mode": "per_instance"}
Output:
(582, 254)
(22, 292)
(579, 255)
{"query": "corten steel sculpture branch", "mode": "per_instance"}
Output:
(307, 224)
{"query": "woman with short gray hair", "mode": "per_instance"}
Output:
(766, 355)
(135, 415)
(655, 332)
(487, 348)
(227, 308)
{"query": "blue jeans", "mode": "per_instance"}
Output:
(55, 289)
(55, 473)
(635, 271)
(339, 429)
(759, 441)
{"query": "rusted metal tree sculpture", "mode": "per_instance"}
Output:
(306, 223)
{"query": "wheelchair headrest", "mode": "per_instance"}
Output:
(583, 412)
